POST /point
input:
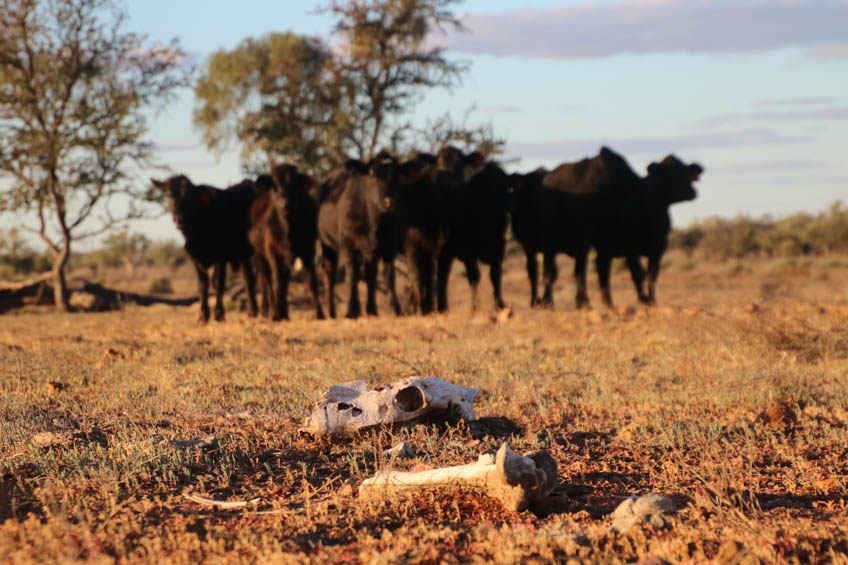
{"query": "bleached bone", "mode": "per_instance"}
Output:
(352, 406)
(226, 504)
(516, 480)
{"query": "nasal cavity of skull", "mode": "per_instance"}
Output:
(354, 411)
(410, 399)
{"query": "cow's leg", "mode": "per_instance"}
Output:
(330, 264)
(495, 274)
(371, 268)
(413, 277)
(391, 283)
(353, 307)
(533, 275)
(580, 278)
(425, 280)
(637, 273)
(443, 268)
(550, 274)
(203, 288)
(652, 275)
(472, 270)
(280, 273)
(603, 263)
(220, 274)
(263, 271)
(249, 276)
(309, 263)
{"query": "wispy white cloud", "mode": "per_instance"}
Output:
(503, 109)
(594, 29)
(760, 167)
(819, 114)
(808, 101)
(570, 149)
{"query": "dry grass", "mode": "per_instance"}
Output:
(661, 400)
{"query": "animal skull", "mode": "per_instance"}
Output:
(352, 406)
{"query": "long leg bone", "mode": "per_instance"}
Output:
(516, 480)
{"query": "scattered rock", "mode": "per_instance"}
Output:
(652, 509)
(751, 308)
(780, 416)
(626, 311)
(694, 311)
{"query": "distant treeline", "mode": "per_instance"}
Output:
(121, 250)
(743, 236)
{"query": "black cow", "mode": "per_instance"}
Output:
(623, 214)
(420, 201)
(475, 214)
(549, 221)
(284, 226)
(357, 225)
(215, 225)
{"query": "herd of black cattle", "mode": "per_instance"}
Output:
(430, 209)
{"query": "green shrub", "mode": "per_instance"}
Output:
(160, 285)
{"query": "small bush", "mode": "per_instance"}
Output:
(161, 285)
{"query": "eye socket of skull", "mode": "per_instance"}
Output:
(353, 409)
(410, 399)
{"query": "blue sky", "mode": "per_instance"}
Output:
(754, 90)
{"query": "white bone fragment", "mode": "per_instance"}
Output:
(352, 406)
(402, 451)
(221, 503)
(516, 480)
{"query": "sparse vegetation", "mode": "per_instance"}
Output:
(794, 235)
(670, 400)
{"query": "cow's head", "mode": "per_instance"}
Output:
(185, 200)
(492, 189)
(673, 179)
(289, 181)
(383, 169)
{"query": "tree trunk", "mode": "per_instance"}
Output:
(60, 285)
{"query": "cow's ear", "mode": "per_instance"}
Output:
(654, 169)
(695, 171)
(157, 184)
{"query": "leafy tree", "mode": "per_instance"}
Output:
(285, 97)
(75, 90)
(274, 95)
(385, 63)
